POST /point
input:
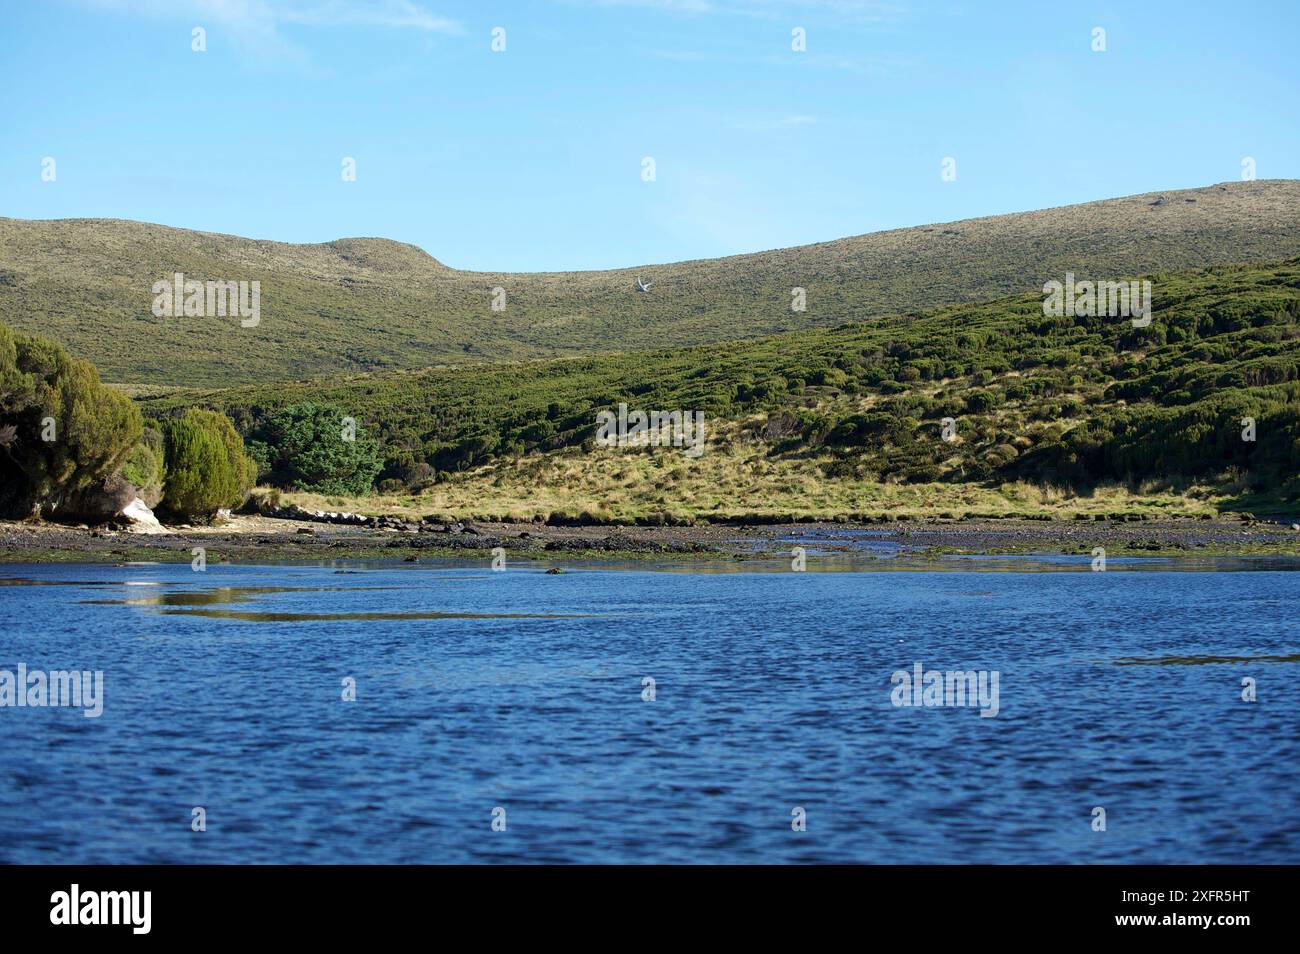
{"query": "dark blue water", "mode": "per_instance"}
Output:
(772, 692)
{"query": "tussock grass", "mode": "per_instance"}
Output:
(621, 485)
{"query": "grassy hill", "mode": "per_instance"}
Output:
(847, 420)
(363, 304)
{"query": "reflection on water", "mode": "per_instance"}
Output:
(28, 581)
(225, 594)
(244, 594)
(634, 716)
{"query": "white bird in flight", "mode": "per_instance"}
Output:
(643, 286)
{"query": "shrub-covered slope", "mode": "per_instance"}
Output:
(1069, 400)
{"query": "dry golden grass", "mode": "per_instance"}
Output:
(733, 479)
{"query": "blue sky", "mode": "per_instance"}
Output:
(531, 158)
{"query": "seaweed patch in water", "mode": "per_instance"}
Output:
(1204, 660)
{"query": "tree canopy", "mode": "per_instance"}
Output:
(207, 467)
(315, 447)
(60, 428)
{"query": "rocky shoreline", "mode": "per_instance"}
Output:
(311, 538)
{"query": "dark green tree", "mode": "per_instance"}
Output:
(144, 466)
(207, 468)
(60, 428)
(317, 448)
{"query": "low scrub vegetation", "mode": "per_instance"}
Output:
(1201, 403)
(1209, 391)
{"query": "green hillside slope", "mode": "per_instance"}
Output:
(371, 304)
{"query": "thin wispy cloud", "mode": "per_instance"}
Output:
(822, 18)
(268, 14)
(255, 28)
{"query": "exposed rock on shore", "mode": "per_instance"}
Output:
(139, 518)
(344, 518)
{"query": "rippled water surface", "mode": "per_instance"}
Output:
(521, 690)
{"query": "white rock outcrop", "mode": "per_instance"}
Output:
(139, 518)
